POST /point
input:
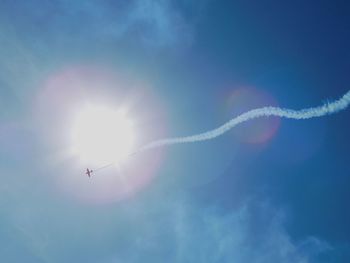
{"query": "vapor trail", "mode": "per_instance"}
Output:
(328, 108)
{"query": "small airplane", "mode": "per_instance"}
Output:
(88, 172)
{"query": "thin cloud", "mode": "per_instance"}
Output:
(255, 233)
(157, 23)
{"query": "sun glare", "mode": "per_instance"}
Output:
(101, 135)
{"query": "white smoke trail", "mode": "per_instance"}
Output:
(328, 108)
(325, 109)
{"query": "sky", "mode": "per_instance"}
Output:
(270, 190)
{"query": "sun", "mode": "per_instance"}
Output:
(101, 135)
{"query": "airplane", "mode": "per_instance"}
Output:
(88, 172)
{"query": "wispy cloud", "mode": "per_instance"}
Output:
(161, 23)
(169, 230)
(254, 233)
(158, 23)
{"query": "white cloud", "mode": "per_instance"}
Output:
(158, 23)
(182, 232)
(255, 233)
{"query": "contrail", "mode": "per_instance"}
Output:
(326, 109)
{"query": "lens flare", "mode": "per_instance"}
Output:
(261, 130)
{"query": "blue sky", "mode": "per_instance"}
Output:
(272, 190)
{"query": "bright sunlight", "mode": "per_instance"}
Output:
(101, 135)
